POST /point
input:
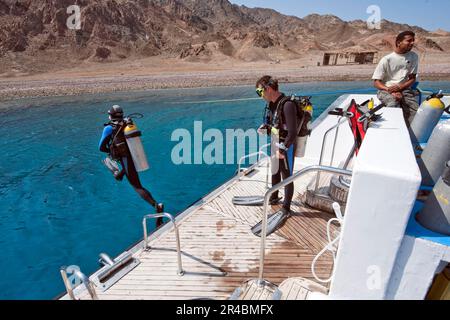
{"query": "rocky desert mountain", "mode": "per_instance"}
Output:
(34, 36)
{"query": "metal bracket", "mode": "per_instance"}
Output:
(113, 270)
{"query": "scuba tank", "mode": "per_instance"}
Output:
(427, 117)
(436, 153)
(305, 108)
(371, 104)
(302, 141)
(436, 213)
(133, 139)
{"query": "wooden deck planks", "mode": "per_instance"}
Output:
(216, 238)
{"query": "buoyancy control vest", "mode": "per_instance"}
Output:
(118, 144)
(361, 119)
(304, 114)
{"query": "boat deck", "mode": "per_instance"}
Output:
(219, 252)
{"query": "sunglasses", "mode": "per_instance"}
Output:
(260, 92)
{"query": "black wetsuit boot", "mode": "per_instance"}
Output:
(284, 172)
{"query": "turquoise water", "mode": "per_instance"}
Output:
(60, 206)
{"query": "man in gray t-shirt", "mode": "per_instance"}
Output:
(396, 74)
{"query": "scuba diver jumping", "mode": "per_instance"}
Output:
(121, 141)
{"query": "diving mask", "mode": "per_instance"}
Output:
(260, 92)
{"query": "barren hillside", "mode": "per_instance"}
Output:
(34, 37)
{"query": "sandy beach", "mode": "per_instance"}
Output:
(162, 74)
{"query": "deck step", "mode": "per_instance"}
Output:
(300, 289)
(256, 290)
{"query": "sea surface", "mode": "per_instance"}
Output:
(60, 206)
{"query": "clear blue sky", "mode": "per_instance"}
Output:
(428, 14)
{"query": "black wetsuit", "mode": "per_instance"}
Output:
(284, 118)
(125, 158)
(133, 177)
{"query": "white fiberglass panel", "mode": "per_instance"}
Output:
(384, 187)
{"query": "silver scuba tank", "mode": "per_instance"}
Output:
(426, 118)
(436, 213)
(133, 138)
(301, 142)
(300, 150)
(436, 153)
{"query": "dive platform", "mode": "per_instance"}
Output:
(219, 252)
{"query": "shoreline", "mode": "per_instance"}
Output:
(67, 85)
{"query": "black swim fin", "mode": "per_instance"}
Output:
(274, 222)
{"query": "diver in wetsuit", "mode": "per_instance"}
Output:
(113, 142)
(282, 125)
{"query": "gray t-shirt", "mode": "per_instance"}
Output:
(396, 68)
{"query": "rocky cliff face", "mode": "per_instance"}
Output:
(119, 29)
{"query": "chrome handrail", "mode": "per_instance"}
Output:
(279, 186)
(262, 148)
(259, 154)
(249, 156)
(177, 235)
(67, 283)
(268, 163)
(324, 143)
(84, 280)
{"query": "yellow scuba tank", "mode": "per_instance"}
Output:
(303, 141)
(371, 104)
(308, 108)
(274, 131)
(426, 118)
(134, 142)
(435, 103)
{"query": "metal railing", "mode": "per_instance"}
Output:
(279, 186)
(259, 154)
(324, 143)
(177, 235)
(84, 280)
